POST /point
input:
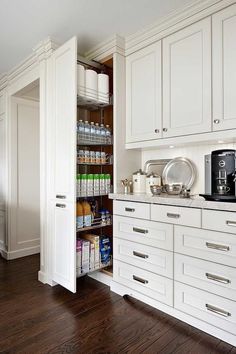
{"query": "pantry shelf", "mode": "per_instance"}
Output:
(92, 105)
(93, 227)
(91, 196)
(94, 164)
(92, 143)
(95, 270)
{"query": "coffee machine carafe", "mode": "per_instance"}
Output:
(220, 176)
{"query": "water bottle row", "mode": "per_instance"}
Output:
(93, 132)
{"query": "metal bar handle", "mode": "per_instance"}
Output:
(140, 255)
(218, 310)
(172, 215)
(130, 210)
(218, 278)
(140, 280)
(59, 196)
(231, 223)
(140, 231)
(60, 205)
(217, 247)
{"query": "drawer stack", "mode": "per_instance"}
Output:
(143, 252)
(205, 270)
(182, 257)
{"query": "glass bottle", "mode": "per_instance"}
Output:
(108, 134)
(98, 133)
(80, 130)
(92, 131)
(103, 133)
(87, 130)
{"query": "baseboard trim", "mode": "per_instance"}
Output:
(42, 277)
(101, 277)
(22, 253)
(3, 253)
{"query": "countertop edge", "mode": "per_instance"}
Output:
(193, 202)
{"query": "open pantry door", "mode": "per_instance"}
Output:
(62, 140)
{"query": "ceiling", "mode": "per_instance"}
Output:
(24, 23)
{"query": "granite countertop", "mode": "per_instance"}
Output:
(194, 201)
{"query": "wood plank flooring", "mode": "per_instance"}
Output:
(35, 318)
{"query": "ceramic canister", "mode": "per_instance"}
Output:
(139, 182)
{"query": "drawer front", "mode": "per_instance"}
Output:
(155, 286)
(131, 209)
(209, 245)
(207, 307)
(176, 215)
(219, 220)
(146, 257)
(145, 232)
(215, 278)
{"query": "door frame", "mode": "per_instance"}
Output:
(37, 71)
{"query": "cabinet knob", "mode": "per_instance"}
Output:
(157, 131)
(216, 121)
(165, 129)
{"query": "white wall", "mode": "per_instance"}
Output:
(194, 153)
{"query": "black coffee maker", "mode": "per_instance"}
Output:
(220, 176)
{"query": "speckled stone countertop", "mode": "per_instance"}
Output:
(165, 199)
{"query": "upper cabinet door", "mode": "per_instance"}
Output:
(224, 68)
(62, 162)
(187, 80)
(64, 116)
(143, 94)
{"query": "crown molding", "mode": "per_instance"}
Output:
(45, 48)
(173, 22)
(41, 51)
(115, 44)
(3, 82)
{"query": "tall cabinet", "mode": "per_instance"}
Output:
(66, 109)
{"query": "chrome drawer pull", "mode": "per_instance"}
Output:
(140, 280)
(60, 205)
(172, 215)
(130, 210)
(60, 196)
(217, 278)
(140, 231)
(231, 223)
(218, 310)
(140, 255)
(217, 247)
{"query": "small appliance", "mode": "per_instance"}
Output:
(220, 176)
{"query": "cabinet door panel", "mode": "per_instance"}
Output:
(143, 94)
(64, 245)
(62, 162)
(64, 111)
(224, 68)
(187, 80)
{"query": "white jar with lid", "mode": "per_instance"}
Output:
(139, 182)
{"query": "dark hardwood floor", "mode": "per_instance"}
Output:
(35, 318)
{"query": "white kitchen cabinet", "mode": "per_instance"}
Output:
(143, 94)
(62, 162)
(187, 80)
(224, 68)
